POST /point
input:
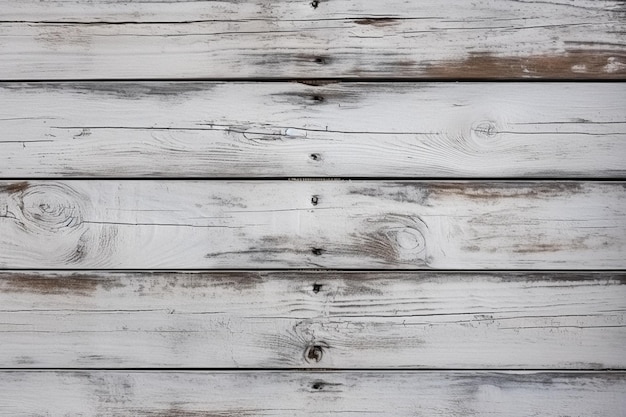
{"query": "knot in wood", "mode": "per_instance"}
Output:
(318, 385)
(409, 239)
(50, 207)
(317, 251)
(486, 129)
(315, 3)
(313, 353)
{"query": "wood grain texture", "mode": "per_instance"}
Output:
(312, 39)
(312, 224)
(399, 394)
(187, 129)
(313, 320)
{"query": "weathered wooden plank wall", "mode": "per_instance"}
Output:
(164, 136)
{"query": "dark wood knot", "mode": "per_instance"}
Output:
(313, 353)
(317, 251)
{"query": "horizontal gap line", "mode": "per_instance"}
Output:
(330, 370)
(321, 179)
(329, 270)
(326, 80)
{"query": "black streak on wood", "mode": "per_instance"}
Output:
(377, 21)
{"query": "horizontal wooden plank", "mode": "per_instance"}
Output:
(343, 38)
(188, 129)
(400, 394)
(312, 224)
(313, 320)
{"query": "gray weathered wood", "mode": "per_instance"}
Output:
(340, 38)
(239, 394)
(361, 129)
(312, 224)
(313, 319)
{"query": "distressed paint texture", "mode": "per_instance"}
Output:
(401, 394)
(312, 224)
(92, 319)
(208, 129)
(122, 95)
(499, 39)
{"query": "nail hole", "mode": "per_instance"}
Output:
(317, 288)
(314, 200)
(315, 3)
(315, 156)
(317, 251)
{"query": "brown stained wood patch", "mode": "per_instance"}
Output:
(239, 281)
(15, 187)
(85, 284)
(76, 284)
(571, 64)
(517, 190)
(421, 192)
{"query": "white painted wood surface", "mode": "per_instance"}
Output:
(313, 320)
(293, 320)
(343, 38)
(290, 129)
(312, 224)
(238, 394)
